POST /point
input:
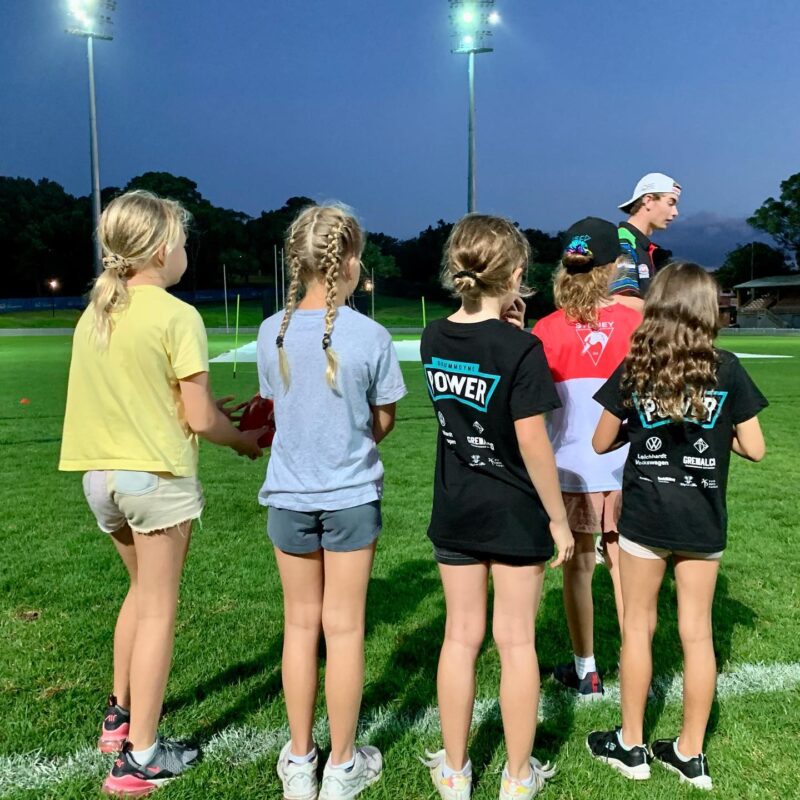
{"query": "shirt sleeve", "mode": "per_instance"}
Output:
(746, 398)
(625, 280)
(387, 381)
(187, 343)
(609, 395)
(262, 343)
(533, 391)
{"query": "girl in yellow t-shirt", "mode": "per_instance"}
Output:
(138, 398)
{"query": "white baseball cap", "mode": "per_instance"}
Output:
(652, 183)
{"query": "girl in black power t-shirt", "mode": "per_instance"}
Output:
(683, 405)
(497, 504)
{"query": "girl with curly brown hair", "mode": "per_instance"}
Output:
(683, 405)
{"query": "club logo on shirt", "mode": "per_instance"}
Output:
(644, 272)
(461, 381)
(701, 445)
(595, 339)
(652, 417)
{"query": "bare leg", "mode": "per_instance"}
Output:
(641, 581)
(302, 578)
(517, 591)
(160, 556)
(695, 581)
(465, 597)
(343, 612)
(125, 630)
(578, 603)
(611, 552)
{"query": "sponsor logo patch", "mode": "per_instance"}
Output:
(462, 381)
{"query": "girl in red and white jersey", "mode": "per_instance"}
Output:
(585, 340)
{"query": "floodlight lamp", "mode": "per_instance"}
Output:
(468, 16)
(467, 41)
(53, 284)
(494, 18)
(368, 285)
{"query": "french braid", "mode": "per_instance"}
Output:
(291, 304)
(331, 263)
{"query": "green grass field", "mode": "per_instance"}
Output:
(393, 312)
(61, 584)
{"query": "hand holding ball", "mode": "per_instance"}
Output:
(259, 413)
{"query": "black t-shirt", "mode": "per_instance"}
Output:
(676, 474)
(482, 377)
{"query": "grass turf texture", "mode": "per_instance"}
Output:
(393, 312)
(61, 584)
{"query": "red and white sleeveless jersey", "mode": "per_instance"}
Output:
(581, 358)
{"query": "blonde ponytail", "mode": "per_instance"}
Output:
(133, 227)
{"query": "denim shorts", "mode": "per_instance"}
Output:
(650, 552)
(145, 501)
(342, 531)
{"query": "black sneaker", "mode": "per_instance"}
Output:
(588, 688)
(129, 779)
(694, 771)
(633, 763)
(116, 724)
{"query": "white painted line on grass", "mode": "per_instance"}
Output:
(240, 744)
(406, 349)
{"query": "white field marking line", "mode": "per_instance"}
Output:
(406, 349)
(241, 744)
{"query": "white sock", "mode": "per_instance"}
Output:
(583, 666)
(680, 755)
(622, 744)
(302, 759)
(347, 764)
(144, 757)
(465, 770)
(527, 782)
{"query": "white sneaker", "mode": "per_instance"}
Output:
(342, 784)
(514, 789)
(457, 786)
(299, 780)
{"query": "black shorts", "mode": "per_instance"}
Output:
(463, 558)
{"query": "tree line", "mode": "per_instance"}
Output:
(45, 232)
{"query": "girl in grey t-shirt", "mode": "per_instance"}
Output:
(334, 379)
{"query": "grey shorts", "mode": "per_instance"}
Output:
(145, 501)
(342, 531)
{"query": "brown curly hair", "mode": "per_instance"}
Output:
(672, 361)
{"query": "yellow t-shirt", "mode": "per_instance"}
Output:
(124, 407)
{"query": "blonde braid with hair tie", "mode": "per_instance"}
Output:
(332, 262)
(291, 304)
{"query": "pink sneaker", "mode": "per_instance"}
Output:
(116, 726)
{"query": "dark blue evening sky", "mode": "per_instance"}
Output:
(362, 101)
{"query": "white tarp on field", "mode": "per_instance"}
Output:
(407, 350)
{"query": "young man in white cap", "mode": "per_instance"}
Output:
(653, 205)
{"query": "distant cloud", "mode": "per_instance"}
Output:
(706, 237)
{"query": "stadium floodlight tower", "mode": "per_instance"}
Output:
(471, 23)
(91, 19)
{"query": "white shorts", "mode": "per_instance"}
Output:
(145, 501)
(646, 551)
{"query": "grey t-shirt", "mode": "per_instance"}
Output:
(323, 456)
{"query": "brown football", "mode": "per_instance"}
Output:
(259, 413)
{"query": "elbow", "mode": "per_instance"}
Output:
(759, 454)
(388, 427)
(200, 424)
(598, 447)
